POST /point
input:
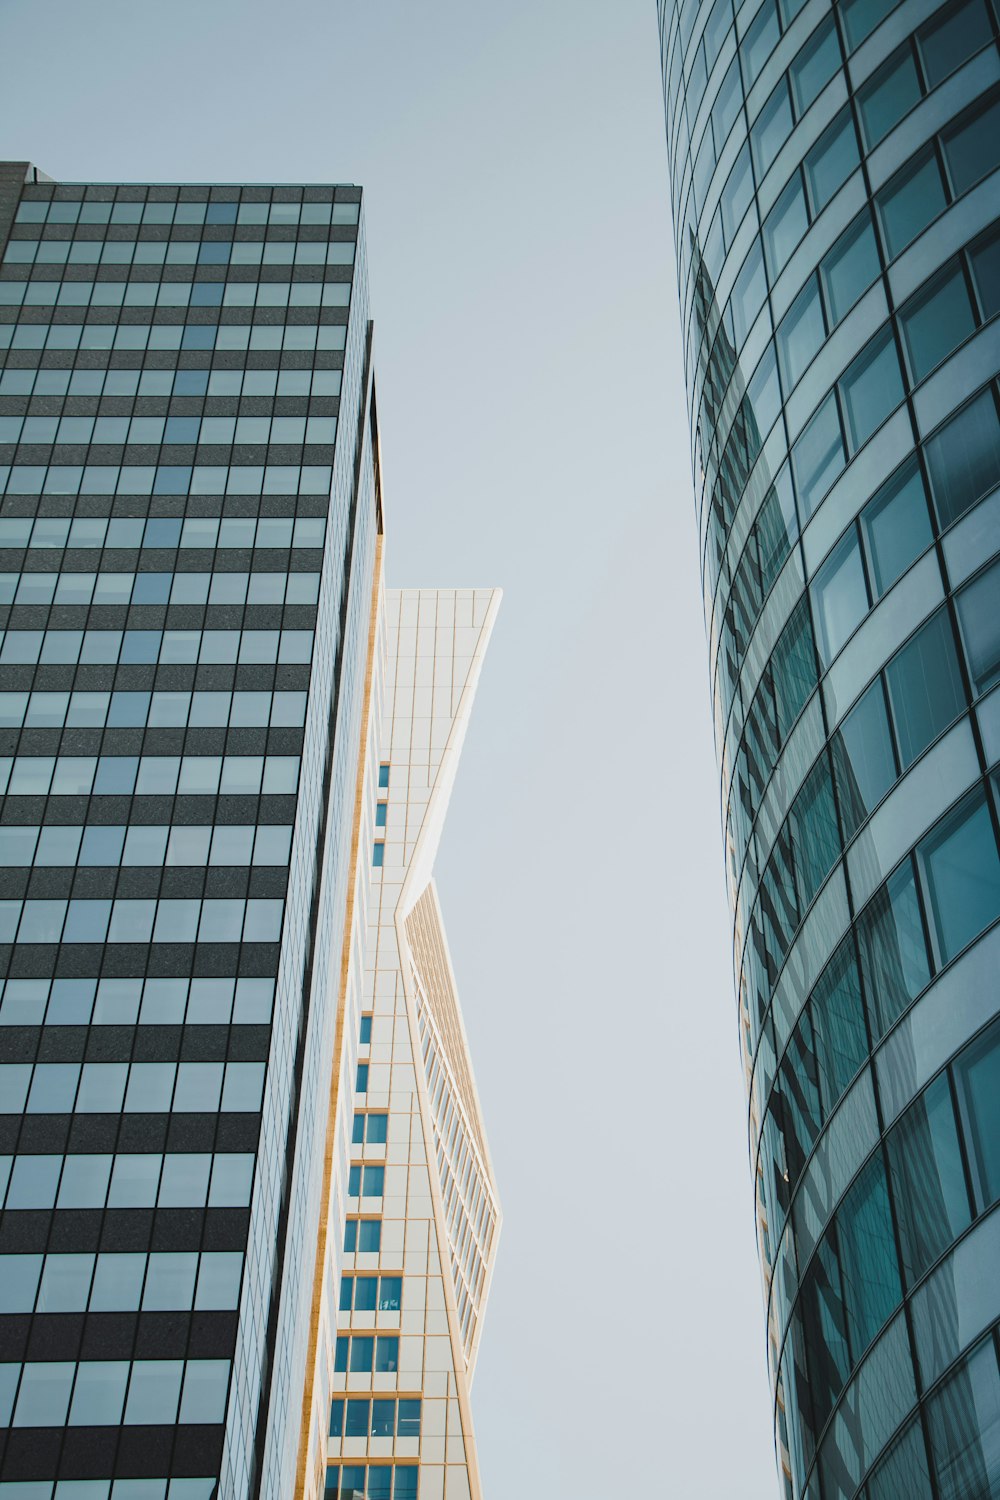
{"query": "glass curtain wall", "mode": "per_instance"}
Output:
(835, 181)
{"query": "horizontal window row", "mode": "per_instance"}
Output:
(108, 1489)
(126, 1002)
(150, 1088)
(811, 70)
(219, 647)
(958, 158)
(159, 844)
(363, 1294)
(175, 293)
(963, 463)
(366, 1181)
(380, 1482)
(124, 775)
(36, 209)
(161, 1282)
(927, 57)
(180, 252)
(937, 902)
(170, 532)
(135, 337)
(359, 1417)
(939, 1167)
(226, 430)
(106, 1393)
(370, 1129)
(169, 479)
(362, 1354)
(954, 1457)
(146, 1180)
(80, 710)
(844, 275)
(170, 920)
(362, 1236)
(158, 588)
(149, 384)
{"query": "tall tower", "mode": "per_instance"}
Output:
(413, 1213)
(835, 180)
(189, 572)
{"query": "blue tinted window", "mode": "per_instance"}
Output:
(383, 775)
(962, 873)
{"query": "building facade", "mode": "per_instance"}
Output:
(413, 1214)
(835, 180)
(189, 571)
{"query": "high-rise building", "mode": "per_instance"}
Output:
(414, 1215)
(192, 664)
(835, 180)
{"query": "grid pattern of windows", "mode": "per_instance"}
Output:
(185, 577)
(834, 177)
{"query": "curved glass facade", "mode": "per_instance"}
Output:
(835, 179)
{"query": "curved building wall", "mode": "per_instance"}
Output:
(835, 179)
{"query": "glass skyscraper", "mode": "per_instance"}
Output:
(835, 180)
(188, 545)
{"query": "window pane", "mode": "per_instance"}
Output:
(863, 759)
(861, 17)
(964, 458)
(978, 1077)
(818, 456)
(891, 93)
(936, 322)
(831, 161)
(815, 65)
(979, 619)
(894, 961)
(973, 149)
(870, 389)
(840, 595)
(903, 1471)
(850, 268)
(946, 44)
(840, 1039)
(909, 203)
(771, 128)
(896, 526)
(964, 1427)
(785, 225)
(925, 687)
(962, 870)
(801, 334)
(985, 260)
(928, 1180)
(867, 1245)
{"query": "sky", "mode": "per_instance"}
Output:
(534, 436)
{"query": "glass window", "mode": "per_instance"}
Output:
(911, 200)
(43, 1398)
(815, 65)
(153, 1392)
(963, 458)
(925, 687)
(977, 1074)
(903, 1471)
(760, 40)
(947, 42)
(771, 128)
(860, 18)
(964, 1427)
(928, 1180)
(840, 595)
(863, 758)
(801, 334)
(831, 161)
(972, 148)
(383, 775)
(785, 225)
(887, 97)
(98, 1396)
(896, 526)
(818, 456)
(65, 1283)
(871, 388)
(961, 868)
(894, 961)
(936, 321)
(867, 1245)
(979, 620)
(984, 259)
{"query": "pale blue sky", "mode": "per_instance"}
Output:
(534, 436)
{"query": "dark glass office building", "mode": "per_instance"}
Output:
(188, 519)
(835, 177)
